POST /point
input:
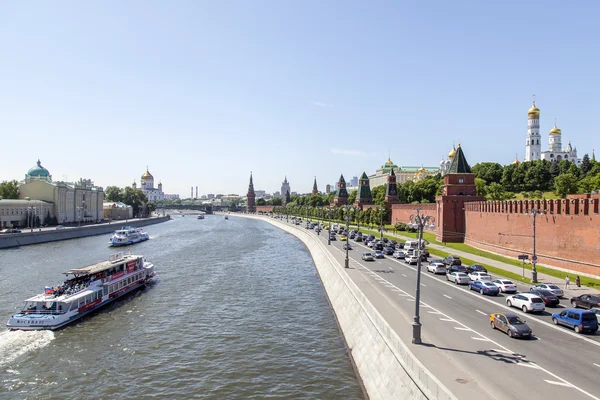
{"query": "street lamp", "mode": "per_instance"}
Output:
(381, 210)
(318, 222)
(329, 230)
(419, 221)
(534, 212)
(348, 208)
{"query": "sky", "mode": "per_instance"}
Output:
(204, 92)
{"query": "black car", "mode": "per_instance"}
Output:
(378, 246)
(550, 300)
(424, 255)
(393, 243)
(456, 268)
(452, 260)
(586, 301)
(358, 239)
(378, 254)
(400, 245)
(347, 246)
(388, 251)
(332, 237)
(476, 268)
(385, 240)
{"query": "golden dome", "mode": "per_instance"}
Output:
(533, 111)
(147, 175)
(555, 130)
(389, 162)
(422, 169)
(452, 152)
(516, 162)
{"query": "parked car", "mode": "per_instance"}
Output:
(411, 260)
(452, 260)
(527, 302)
(505, 285)
(388, 251)
(393, 243)
(424, 255)
(460, 278)
(436, 260)
(358, 239)
(511, 324)
(378, 246)
(385, 240)
(347, 246)
(370, 243)
(484, 287)
(368, 256)
(476, 268)
(343, 238)
(457, 268)
(332, 238)
(398, 254)
(585, 301)
(400, 245)
(480, 276)
(579, 320)
(59, 227)
(436, 268)
(11, 230)
(597, 312)
(552, 288)
(550, 300)
(379, 254)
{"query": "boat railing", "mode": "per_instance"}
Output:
(43, 311)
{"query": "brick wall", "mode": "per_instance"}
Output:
(402, 212)
(264, 209)
(567, 235)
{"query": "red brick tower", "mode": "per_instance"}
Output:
(459, 188)
(251, 197)
(391, 190)
(341, 196)
(315, 190)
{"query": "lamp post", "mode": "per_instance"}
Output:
(419, 221)
(381, 210)
(329, 230)
(318, 222)
(348, 209)
(534, 212)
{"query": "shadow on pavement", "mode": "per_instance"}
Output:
(509, 358)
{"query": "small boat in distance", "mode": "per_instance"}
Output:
(200, 216)
(127, 236)
(85, 290)
(226, 217)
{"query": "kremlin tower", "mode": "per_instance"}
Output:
(251, 197)
(533, 147)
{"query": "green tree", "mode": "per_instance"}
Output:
(261, 202)
(136, 199)
(565, 184)
(480, 187)
(574, 170)
(378, 194)
(352, 196)
(496, 191)
(488, 171)
(113, 193)
(586, 164)
(9, 189)
(563, 166)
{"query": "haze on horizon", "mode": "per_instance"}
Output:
(205, 92)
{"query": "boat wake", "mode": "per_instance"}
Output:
(14, 344)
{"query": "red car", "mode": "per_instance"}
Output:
(586, 301)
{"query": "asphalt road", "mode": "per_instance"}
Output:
(481, 362)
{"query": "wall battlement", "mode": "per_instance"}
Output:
(574, 205)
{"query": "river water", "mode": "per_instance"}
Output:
(238, 312)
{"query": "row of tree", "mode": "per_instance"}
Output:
(370, 216)
(130, 196)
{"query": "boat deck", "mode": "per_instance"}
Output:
(101, 266)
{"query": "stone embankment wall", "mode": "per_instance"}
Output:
(567, 234)
(37, 237)
(386, 366)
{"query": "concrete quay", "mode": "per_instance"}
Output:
(461, 357)
(46, 235)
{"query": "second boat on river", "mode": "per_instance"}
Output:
(127, 236)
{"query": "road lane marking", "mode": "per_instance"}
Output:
(448, 296)
(434, 312)
(410, 299)
(404, 275)
(447, 319)
(422, 284)
(483, 339)
(460, 328)
(558, 383)
(481, 312)
(597, 365)
(528, 365)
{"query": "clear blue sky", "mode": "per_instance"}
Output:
(203, 92)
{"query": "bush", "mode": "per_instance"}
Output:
(401, 226)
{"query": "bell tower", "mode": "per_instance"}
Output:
(250, 197)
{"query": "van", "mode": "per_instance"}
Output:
(579, 320)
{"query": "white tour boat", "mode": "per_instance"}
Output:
(85, 290)
(127, 236)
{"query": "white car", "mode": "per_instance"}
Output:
(368, 257)
(505, 286)
(371, 244)
(436, 268)
(526, 301)
(480, 276)
(552, 288)
(460, 278)
(412, 259)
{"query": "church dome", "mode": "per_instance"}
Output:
(147, 175)
(452, 152)
(38, 170)
(555, 130)
(422, 169)
(389, 164)
(533, 111)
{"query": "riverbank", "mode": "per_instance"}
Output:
(387, 367)
(45, 236)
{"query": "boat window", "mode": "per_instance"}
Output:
(74, 306)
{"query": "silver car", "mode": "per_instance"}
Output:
(460, 278)
(368, 257)
(552, 288)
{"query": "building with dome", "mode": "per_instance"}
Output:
(403, 173)
(41, 196)
(533, 146)
(151, 192)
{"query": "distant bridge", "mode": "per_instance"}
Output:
(207, 208)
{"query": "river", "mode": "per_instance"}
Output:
(237, 312)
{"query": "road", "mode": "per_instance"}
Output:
(481, 362)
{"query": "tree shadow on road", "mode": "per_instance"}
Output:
(508, 358)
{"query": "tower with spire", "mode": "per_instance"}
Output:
(391, 190)
(533, 146)
(251, 197)
(341, 195)
(285, 187)
(363, 196)
(315, 190)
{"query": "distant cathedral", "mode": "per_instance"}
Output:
(533, 146)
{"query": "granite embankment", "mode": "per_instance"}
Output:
(45, 236)
(386, 366)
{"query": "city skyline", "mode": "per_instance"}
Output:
(203, 96)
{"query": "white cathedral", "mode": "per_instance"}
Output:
(153, 194)
(533, 147)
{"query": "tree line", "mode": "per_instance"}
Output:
(130, 196)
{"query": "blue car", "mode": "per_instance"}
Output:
(484, 287)
(580, 320)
